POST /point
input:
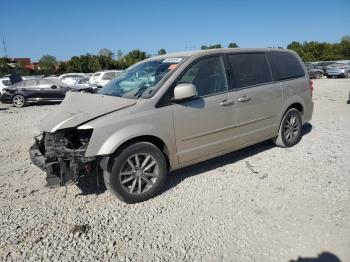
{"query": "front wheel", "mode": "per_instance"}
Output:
(138, 173)
(290, 130)
(18, 101)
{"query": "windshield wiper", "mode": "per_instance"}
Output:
(112, 94)
(140, 91)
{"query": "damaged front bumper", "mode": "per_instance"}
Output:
(62, 157)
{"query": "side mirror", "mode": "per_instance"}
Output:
(184, 91)
(53, 86)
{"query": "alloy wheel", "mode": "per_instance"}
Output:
(18, 101)
(291, 128)
(139, 173)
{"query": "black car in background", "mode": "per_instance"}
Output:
(35, 91)
(314, 71)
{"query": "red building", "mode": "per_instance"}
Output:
(26, 62)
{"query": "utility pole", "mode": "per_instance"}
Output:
(3, 42)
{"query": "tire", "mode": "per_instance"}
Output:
(329, 77)
(19, 101)
(132, 166)
(318, 75)
(290, 131)
(347, 75)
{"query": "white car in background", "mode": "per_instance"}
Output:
(4, 82)
(101, 78)
(71, 78)
(82, 82)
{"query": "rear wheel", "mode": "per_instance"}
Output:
(18, 101)
(318, 75)
(290, 130)
(347, 75)
(138, 173)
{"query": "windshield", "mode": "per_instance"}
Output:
(141, 79)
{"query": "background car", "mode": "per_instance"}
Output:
(34, 91)
(4, 82)
(101, 78)
(323, 65)
(338, 70)
(71, 78)
(82, 82)
(313, 71)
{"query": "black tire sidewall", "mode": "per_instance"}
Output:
(299, 135)
(114, 181)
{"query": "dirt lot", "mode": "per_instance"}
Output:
(258, 204)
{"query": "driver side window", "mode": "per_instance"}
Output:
(208, 75)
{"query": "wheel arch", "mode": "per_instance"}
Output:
(293, 102)
(298, 106)
(158, 142)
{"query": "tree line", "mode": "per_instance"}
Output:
(106, 59)
(315, 51)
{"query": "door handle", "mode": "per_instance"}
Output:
(226, 102)
(244, 99)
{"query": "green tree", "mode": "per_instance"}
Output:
(106, 52)
(316, 51)
(232, 45)
(62, 68)
(345, 38)
(93, 64)
(133, 57)
(203, 47)
(74, 64)
(5, 69)
(119, 54)
(48, 62)
(161, 51)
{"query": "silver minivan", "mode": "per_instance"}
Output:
(172, 111)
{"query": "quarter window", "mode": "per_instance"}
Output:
(208, 75)
(6, 82)
(249, 69)
(285, 66)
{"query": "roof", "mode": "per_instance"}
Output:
(218, 50)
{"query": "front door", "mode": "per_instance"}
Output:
(47, 93)
(202, 124)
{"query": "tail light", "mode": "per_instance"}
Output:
(311, 87)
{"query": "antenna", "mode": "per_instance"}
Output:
(3, 42)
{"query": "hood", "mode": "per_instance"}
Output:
(78, 108)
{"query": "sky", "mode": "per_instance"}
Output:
(66, 28)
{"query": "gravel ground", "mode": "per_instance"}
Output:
(262, 203)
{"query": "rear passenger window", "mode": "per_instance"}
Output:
(30, 83)
(249, 69)
(284, 66)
